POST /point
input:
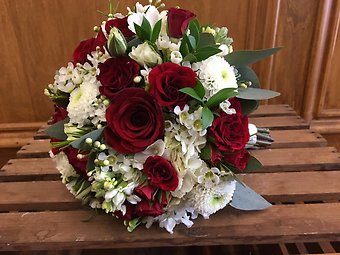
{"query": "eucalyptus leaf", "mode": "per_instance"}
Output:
(221, 96)
(256, 94)
(248, 106)
(244, 58)
(206, 52)
(94, 135)
(246, 199)
(247, 74)
(57, 130)
(207, 117)
(191, 92)
(156, 30)
(90, 163)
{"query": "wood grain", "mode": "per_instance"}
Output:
(68, 230)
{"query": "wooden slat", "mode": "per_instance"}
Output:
(274, 110)
(68, 230)
(29, 169)
(280, 123)
(297, 138)
(283, 139)
(298, 159)
(275, 187)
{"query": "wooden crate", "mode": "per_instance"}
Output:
(301, 177)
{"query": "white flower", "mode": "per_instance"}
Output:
(208, 201)
(176, 57)
(150, 12)
(164, 43)
(216, 74)
(145, 55)
(82, 103)
(65, 76)
(208, 177)
(65, 168)
(225, 106)
(224, 50)
(157, 148)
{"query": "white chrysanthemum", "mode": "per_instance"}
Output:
(216, 74)
(64, 167)
(82, 107)
(208, 201)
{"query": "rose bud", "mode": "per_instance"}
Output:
(144, 54)
(116, 44)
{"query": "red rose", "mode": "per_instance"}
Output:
(178, 21)
(216, 155)
(129, 214)
(146, 191)
(117, 74)
(161, 173)
(230, 132)
(87, 46)
(79, 165)
(239, 159)
(235, 104)
(149, 208)
(121, 24)
(60, 113)
(134, 121)
(55, 150)
(167, 79)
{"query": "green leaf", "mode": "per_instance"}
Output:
(191, 92)
(156, 30)
(192, 42)
(252, 165)
(205, 39)
(246, 199)
(147, 27)
(190, 57)
(206, 52)
(206, 152)
(94, 135)
(194, 30)
(134, 42)
(221, 96)
(244, 58)
(90, 163)
(207, 117)
(248, 106)
(256, 94)
(200, 89)
(184, 49)
(141, 33)
(57, 130)
(247, 74)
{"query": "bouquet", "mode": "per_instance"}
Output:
(150, 121)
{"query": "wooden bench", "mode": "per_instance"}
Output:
(301, 177)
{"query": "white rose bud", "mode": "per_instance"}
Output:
(176, 57)
(144, 54)
(116, 42)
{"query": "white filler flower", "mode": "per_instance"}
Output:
(216, 74)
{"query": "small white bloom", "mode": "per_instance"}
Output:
(176, 57)
(225, 106)
(150, 12)
(144, 54)
(225, 50)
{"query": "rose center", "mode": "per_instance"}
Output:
(139, 118)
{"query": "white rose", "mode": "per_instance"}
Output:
(145, 55)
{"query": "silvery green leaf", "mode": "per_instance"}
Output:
(57, 130)
(94, 135)
(246, 199)
(256, 94)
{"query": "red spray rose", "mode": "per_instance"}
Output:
(167, 79)
(161, 173)
(117, 74)
(121, 24)
(134, 121)
(146, 191)
(87, 46)
(60, 113)
(239, 159)
(178, 21)
(79, 165)
(149, 208)
(230, 132)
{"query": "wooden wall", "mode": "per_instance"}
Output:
(38, 36)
